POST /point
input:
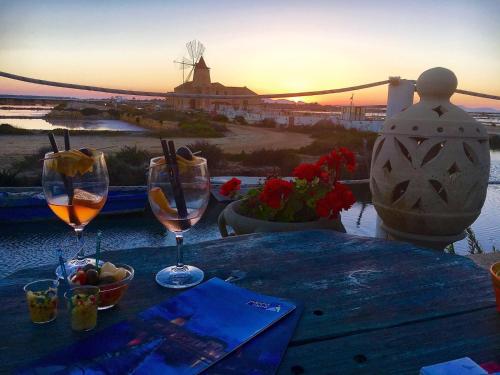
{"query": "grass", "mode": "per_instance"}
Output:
(199, 129)
(286, 160)
(240, 120)
(128, 166)
(6, 129)
(8, 177)
(328, 137)
(212, 153)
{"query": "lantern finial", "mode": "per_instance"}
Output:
(436, 83)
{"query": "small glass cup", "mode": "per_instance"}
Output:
(495, 278)
(82, 306)
(41, 296)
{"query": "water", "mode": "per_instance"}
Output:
(495, 166)
(32, 120)
(33, 244)
(25, 111)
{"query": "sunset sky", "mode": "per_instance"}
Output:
(269, 46)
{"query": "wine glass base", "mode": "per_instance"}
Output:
(179, 277)
(73, 265)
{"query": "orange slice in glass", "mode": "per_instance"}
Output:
(181, 161)
(71, 162)
(84, 198)
(157, 196)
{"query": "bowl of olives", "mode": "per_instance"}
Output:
(112, 280)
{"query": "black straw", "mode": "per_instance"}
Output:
(66, 140)
(67, 181)
(53, 142)
(173, 175)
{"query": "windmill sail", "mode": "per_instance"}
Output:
(195, 51)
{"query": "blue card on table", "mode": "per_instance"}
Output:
(184, 335)
(461, 366)
(261, 355)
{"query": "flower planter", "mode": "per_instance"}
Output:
(245, 225)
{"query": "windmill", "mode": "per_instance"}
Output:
(195, 50)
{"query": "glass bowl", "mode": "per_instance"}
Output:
(110, 294)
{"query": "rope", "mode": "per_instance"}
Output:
(470, 93)
(210, 96)
(186, 95)
(478, 94)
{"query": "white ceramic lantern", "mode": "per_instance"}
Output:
(430, 166)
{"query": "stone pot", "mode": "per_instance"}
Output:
(430, 166)
(246, 225)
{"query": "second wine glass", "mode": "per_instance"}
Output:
(195, 185)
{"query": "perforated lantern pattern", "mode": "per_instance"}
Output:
(430, 164)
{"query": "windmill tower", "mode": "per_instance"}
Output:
(201, 75)
(194, 65)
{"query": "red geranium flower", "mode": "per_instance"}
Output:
(275, 191)
(338, 199)
(306, 171)
(335, 159)
(349, 158)
(230, 188)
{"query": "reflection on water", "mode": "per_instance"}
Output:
(25, 111)
(43, 124)
(34, 120)
(482, 237)
(495, 166)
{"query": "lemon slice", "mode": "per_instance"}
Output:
(71, 162)
(157, 196)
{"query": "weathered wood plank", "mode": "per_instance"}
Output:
(401, 350)
(347, 284)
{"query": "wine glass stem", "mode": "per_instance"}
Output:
(79, 243)
(180, 259)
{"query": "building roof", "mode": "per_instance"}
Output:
(231, 90)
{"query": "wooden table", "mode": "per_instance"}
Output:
(371, 306)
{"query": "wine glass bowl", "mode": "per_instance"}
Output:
(164, 198)
(76, 191)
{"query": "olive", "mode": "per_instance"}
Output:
(185, 152)
(92, 277)
(86, 151)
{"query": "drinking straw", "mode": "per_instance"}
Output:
(53, 143)
(67, 147)
(66, 140)
(98, 250)
(173, 154)
(67, 181)
(173, 175)
(65, 276)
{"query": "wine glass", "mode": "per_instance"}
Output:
(76, 199)
(163, 194)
